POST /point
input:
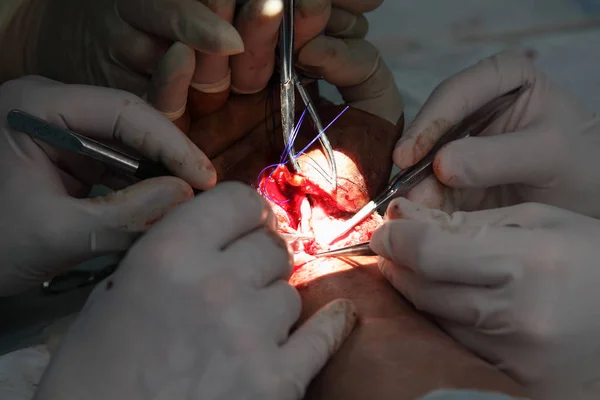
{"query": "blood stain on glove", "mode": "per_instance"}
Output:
(530, 54)
(417, 142)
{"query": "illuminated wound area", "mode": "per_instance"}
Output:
(308, 208)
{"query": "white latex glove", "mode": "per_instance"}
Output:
(44, 228)
(200, 308)
(258, 23)
(544, 149)
(356, 68)
(121, 41)
(115, 43)
(517, 285)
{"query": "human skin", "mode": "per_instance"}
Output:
(394, 352)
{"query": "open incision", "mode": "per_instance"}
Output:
(313, 211)
(394, 352)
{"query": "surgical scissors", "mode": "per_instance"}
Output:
(289, 82)
(402, 182)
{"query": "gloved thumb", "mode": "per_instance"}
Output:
(355, 67)
(484, 162)
(74, 230)
(135, 209)
(112, 223)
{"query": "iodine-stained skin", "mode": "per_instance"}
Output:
(394, 352)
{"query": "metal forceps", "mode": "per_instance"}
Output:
(401, 183)
(289, 81)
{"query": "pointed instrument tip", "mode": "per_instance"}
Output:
(361, 249)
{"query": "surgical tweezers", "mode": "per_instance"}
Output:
(289, 81)
(401, 183)
(355, 250)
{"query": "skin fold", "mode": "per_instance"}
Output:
(395, 352)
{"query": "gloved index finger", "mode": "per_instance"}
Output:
(457, 97)
(115, 115)
(217, 218)
(469, 254)
(312, 345)
(186, 21)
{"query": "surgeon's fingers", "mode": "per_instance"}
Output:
(312, 345)
(219, 217)
(213, 69)
(137, 207)
(459, 96)
(139, 51)
(402, 208)
(260, 268)
(525, 215)
(109, 114)
(280, 311)
(479, 340)
(472, 254)
(258, 24)
(212, 78)
(357, 6)
(187, 21)
(361, 76)
(347, 25)
(168, 91)
(116, 221)
(310, 20)
(343, 63)
(432, 194)
(511, 158)
(469, 305)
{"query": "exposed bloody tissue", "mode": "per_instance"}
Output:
(305, 208)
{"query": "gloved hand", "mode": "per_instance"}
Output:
(200, 308)
(544, 149)
(258, 23)
(346, 65)
(119, 43)
(517, 285)
(115, 43)
(361, 76)
(44, 228)
(353, 65)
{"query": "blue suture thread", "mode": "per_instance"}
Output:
(282, 159)
(288, 147)
(322, 132)
(290, 144)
